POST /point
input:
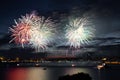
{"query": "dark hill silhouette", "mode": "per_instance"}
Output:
(79, 76)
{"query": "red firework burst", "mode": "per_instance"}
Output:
(20, 33)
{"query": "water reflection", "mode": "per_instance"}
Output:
(39, 73)
(76, 70)
(17, 74)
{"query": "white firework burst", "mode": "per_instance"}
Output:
(42, 34)
(78, 32)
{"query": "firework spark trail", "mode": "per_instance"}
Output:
(78, 32)
(36, 31)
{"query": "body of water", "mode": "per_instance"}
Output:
(53, 73)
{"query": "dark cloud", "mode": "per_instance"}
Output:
(105, 45)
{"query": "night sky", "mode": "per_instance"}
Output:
(106, 12)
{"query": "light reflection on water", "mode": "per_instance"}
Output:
(51, 73)
(37, 74)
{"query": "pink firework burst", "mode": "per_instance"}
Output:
(21, 31)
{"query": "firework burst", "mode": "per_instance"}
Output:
(36, 31)
(78, 32)
(43, 34)
(21, 31)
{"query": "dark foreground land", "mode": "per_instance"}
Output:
(79, 76)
